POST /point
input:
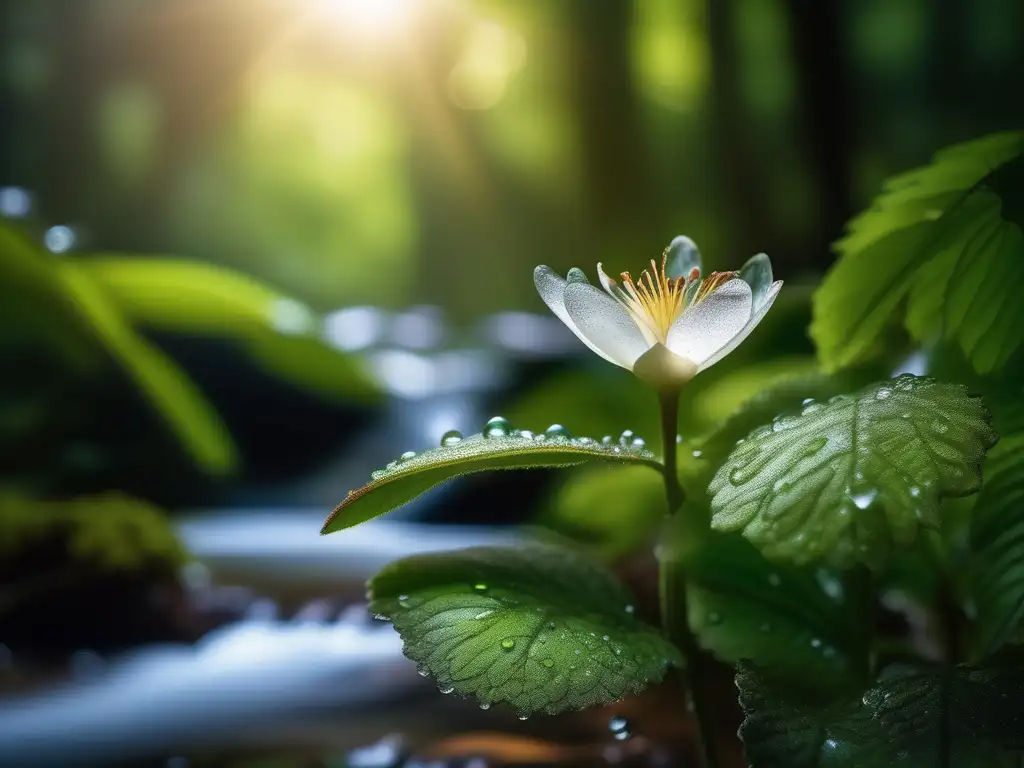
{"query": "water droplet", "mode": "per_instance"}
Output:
(480, 586)
(584, 441)
(739, 475)
(774, 579)
(698, 454)
(618, 651)
(377, 474)
(807, 401)
(446, 690)
(815, 643)
(638, 442)
(497, 427)
(483, 614)
(619, 727)
(423, 673)
(606, 638)
(883, 394)
(484, 705)
(679, 439)
(915, 491)
(549, 663)
(782, 486)
(451, 437)
(829, 584)
(403, 600)
(626, 437)
(407, 455)
(630, 609)
(865, 499)
(616, 449)
(607, 440)
(578, 651)
(524, 717)
(391, 465)
(557, 432)
(551, 625)
(814, 447)
(508, 643)
(526, 434)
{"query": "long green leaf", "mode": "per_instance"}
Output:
(498, 448)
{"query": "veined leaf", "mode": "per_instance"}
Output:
(900, 721)
(499, 447)
(280, 334)
(997, 547)
(800, 623)
(536, 627)
(849, 479)
(936, 233)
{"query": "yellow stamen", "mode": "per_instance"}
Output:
(656, 299)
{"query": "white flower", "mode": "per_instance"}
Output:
(669, 325)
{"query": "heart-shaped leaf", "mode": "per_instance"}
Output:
(903, 720)
(498, 447)
(849, 479)
(538, 627)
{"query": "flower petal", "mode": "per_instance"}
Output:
(551, 288)
(736, 340)
(683, 257)
(712, 322)
(757, 273)
(605, 323)
(619, 294)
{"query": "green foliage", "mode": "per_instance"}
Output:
(536, 627)
(499, 447)
(849, 479)
(191, 297)
(111, 531)
(613, 510)
(939, 235)
(49, 302)
(902, 720)
(997, 547)
(798, 622)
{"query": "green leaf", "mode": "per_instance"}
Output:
(280, 334)
(798, 622)
(536, 627)
(849, 479)
(899, 721)
(184, 409)
(935, 233)
(499, 448)
(997, 547)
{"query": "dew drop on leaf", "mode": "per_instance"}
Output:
(484, 705)
(557, 432)
(526, 434)
(446, 690)
(480, 586)
(626, 438)
(865, 499)
(508, 644)
(548, 663)
(697, 454)
(497, 427)
(883, 394)
(606, 440)
(451, 437)
(407, 455)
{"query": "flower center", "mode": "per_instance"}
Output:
(656, 299)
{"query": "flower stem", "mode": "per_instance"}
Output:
(672, 587)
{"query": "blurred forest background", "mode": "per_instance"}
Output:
(252, 249)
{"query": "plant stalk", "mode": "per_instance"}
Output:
(672, 587)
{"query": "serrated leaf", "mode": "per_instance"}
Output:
(899, 721)
(405, 479)
(849, 479)
(997, 547)
(280, 334)
(538, 627)
(938, 234)
(798, 622)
